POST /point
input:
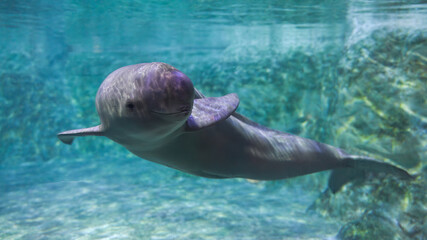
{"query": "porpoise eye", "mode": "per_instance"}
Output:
(130, 106)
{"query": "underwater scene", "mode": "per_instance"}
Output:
(351, 74)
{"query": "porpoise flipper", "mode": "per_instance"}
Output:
(208, 111)
(67, 137)
(199, 95)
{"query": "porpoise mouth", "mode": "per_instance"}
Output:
(170, 114)
(183, 111)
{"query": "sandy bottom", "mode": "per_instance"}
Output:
(134, 199)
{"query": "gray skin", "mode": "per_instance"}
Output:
(154, 111)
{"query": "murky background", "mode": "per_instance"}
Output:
(352, 74)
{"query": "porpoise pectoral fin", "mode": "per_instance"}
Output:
(208, 111)
(68, 136)
(198, 94)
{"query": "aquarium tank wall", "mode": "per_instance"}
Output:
(352, 74)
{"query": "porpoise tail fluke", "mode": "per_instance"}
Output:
(358, 166)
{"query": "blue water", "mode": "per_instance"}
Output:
(351, 74)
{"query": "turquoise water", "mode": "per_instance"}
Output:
(352, 74)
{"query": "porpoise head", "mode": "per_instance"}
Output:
(145, 101)
(150, 102)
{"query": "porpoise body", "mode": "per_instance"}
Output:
(154, 111)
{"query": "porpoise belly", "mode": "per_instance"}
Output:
(233, 148)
